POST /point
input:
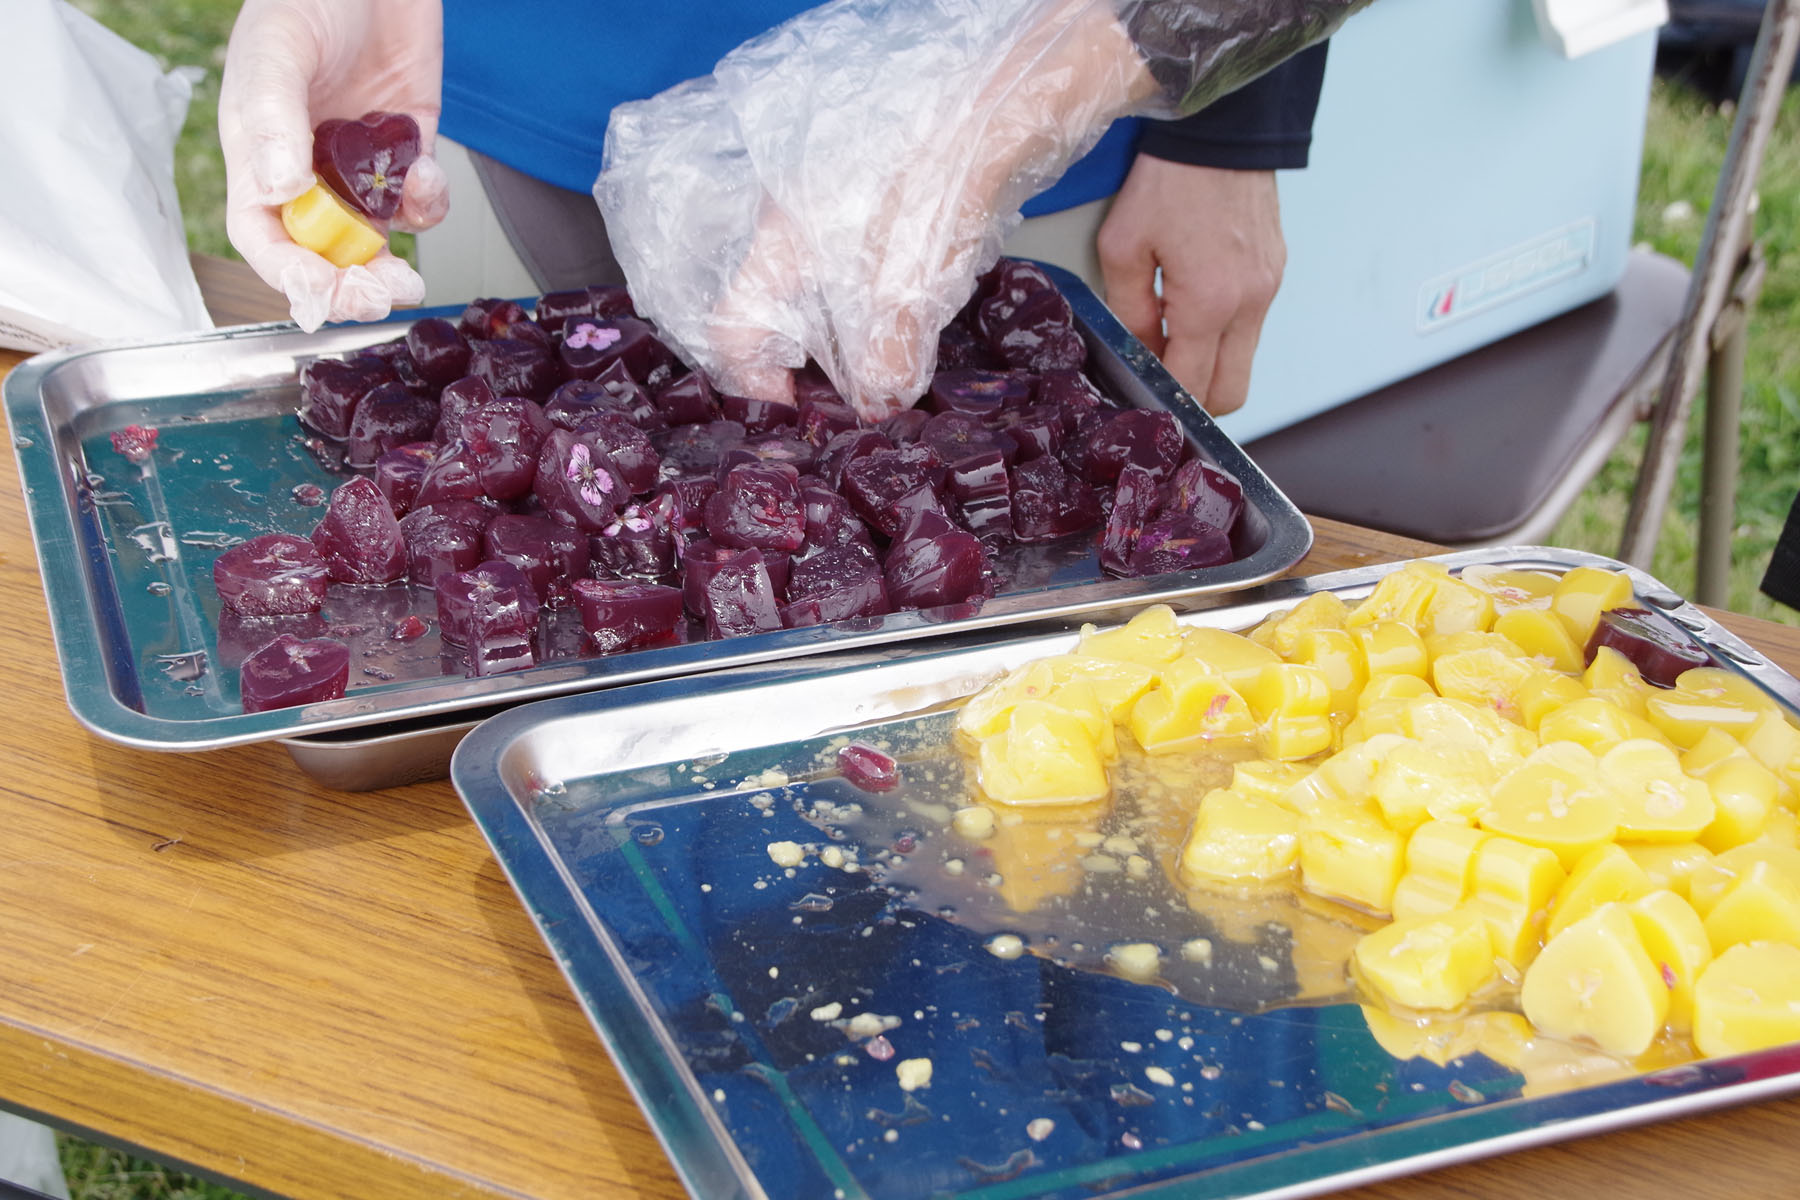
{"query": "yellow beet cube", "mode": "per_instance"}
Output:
(1440, 863)
(1748, 998)
(321, 222)
(1713, 878)
(1348, 853)
(1705, 698)
(1434, 962)
(1676, 942)
(1239, 839)
(1775, 743)
(1288, 737)
(1669, 864)
(1403, 595)
(1583, 593)
(1485, 677)
(1761, 905)
(1152, 638)
(1391, 687)
(1541, 693)
(1044, 756)
(1604, 875)
(1743, 793)
(1658, 802)
(1439, 1040)
(1554, 801)
(1594, 722)
(1078, 698)
(1512, 587)
(1391, 648)
(1424, 896)
(1116, 683)
(1321, 610)
(1512, 887)
(1190, 706)
(1611, 676)
(1265, 779)
(1347, 777)
(1334, 653)
(1438, 720)
(988, 711)
(1542, 635)
(1230, 655)
(1420, 781)
(1288, 689)
(1595, 982)
(1456, 607)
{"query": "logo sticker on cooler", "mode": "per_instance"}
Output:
(1546, 259)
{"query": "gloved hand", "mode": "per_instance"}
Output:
(835, 187)
(1216, 235)
(291, 64)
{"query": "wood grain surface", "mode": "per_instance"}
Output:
(329, 994)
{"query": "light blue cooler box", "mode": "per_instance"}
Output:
(1466, 181)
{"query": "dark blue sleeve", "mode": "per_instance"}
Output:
(1266, 125)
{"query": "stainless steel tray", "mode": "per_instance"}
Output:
(642, 828)
(127, 551)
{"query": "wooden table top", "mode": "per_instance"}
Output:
(330, 994)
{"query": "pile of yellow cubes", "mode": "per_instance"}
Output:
(1614, 860)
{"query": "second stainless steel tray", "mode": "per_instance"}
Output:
(126, 549)
(760, 945)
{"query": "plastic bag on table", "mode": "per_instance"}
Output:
(835, 187)
(91, 239)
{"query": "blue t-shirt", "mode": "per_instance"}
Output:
(532, 84)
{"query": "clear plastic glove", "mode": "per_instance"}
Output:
(291, 64)
(835, 187)
(1216, 236)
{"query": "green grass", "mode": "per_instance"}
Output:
(1684, 147)
(101, 1173)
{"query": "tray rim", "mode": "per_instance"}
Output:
(570, 928)
(85, 648)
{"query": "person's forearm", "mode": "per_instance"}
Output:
(1199, 50)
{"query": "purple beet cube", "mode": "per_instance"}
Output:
(820, 419)
(488, 317)
(983, 395)
(290, 671)
(1037, 431)
(983, 494)
(844, 582)
(830, 521)
(503, 439)
(1151, 439)
(619, 615)
(643, 542)
(759, 416)
(577, 483)
(492, 605)
(811, 383)
(960, 346)
(885, 487)
(1049, 503)
(591, 344)
(271, 575)
(757, 506)
(702, 558)
(457, 398)
(870, 769)
(516, 367)
(1072, 394)
(400, 471)
(359, 537)
(388, 416)
(839, 452)
(955, 436)
(551, 555)
(738, 597)
(330, 390)
(947, 567)
(782, 449)
(439, 349)
(630, 449)
(395, 355)
(577, 400)
(688, 400)
(696, 449)
(239, 637)
(437, 545)
(1207, 493)
(690, 493)
(1135, 500)
(452, 475)
(1177, 542)
(553, 309)
(1039, 335)
(1003, 290)
(905, 426)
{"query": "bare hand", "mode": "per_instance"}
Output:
(1216, 235)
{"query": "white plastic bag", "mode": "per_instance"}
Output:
(91, 241)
